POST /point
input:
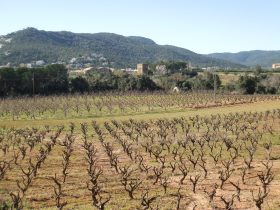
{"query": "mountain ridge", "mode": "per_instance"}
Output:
(108, 49)
(264, 58)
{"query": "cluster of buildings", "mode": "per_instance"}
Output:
(33, 64)
(276, 66)
(140, 70)
(39, 63)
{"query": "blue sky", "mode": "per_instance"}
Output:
(203, 26)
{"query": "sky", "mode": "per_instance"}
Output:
(203, 26)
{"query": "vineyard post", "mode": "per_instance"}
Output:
(215, 85)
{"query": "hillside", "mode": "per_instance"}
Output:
(250, 58)
(108, 49)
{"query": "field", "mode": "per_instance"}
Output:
(140, 151)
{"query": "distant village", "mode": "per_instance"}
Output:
(99, 62)
(140, 70)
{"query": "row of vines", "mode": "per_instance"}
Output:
(215, 162)
(116, 104)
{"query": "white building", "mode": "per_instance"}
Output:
(40, 63)
(276, 66)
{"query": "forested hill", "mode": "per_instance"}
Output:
(30, 45)
(250, 58)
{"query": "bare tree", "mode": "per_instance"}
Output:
(243, 171)
(96, 194)
(237, 188)
(179, 197)
(65, 163)
(164, 183)
(203, 166)
(211, 194)
(26, 179)
(184, 170)
(173, 166)
(17, 201)
(194, 181)
(267, 176)
(130, 186)
(193, 160)
(58, 193)
(146, 201)
(22, 150)
(224, 176)
(158, 172)
(4, 166)
(228, 202)
(259, 199)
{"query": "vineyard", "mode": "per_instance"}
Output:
(72, 106)
(217, 161)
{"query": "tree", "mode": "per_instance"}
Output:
(206, 81)
(79, 84)
(185, 85)
(258, 70)
(23, 81)
(248, 84)
(57, 75)
(145, 83)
